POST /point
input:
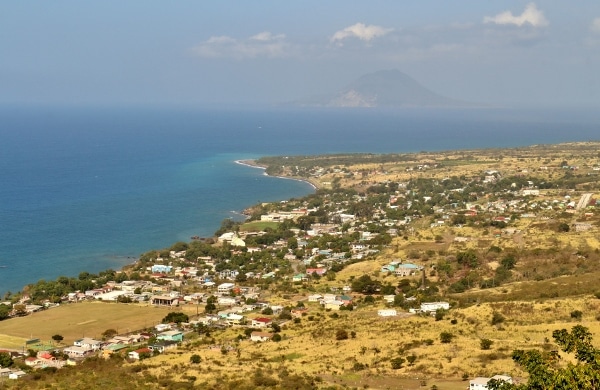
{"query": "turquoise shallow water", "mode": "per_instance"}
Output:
(90, 189)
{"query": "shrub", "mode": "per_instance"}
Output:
(195, 359)
(497, 318)
(397, 363)
(446, 337)
(577, 315)
(485, 344)
(276, 337)
(341, 334)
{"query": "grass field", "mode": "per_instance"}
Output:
(257, 226)
(74, 321)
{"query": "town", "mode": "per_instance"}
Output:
(393, 242)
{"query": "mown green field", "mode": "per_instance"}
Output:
(257, 226)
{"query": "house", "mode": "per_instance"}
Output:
(76, 351)
(165, 300)
(233, 319)
(261, 322)
(432, 307)
(161, 269)
(333, 305)
(226, 301)
(407, 269)
(481, 383)
(88, 343)
(315, 298)
(318, 271)
(261, 336)
(5, 372)
(225, 288)
(162, 327)
(299, 278)
(139, 353)
(345, 299)
(170, 335)
(161, 346)
(387, 313)
(16, 374)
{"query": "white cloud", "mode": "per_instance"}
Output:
(595, 27)
(267, 36)
(531, 15)
(264, 44)
(360, 31)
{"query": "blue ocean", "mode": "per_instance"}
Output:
(85, 189)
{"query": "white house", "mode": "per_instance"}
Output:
(315, 298)
(387, 313)
(261, 336)
(16, 374)
(481, 383)
(430, 307)
(224, 288)
(88, 343)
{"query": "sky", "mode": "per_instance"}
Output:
(204, 53)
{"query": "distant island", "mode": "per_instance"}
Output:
(385, 88)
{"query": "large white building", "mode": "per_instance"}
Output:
(224, 288)
(481, 383)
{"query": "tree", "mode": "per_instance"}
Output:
(5, 359)
(276, 337)
(58, 338)
(210, 306)
(108, 333)
(563, 227)
(176, 316)
(4, 312)
(544, 369)
(411, 359)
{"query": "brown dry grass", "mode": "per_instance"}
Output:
(74, 321)
(311, 346)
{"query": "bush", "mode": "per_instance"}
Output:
(485, 344)
(397, 363)
(411, 359)
(497, 318)
(577, 315)
(195, 359)
(341, 334)
(446, 337)
(276, 337)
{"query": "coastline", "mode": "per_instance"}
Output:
(253, 164)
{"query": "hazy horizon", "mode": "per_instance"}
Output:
(511, 53)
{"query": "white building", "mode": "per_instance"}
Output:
(430, 307)
(387, 313)
(481, 383)
(224, 288)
